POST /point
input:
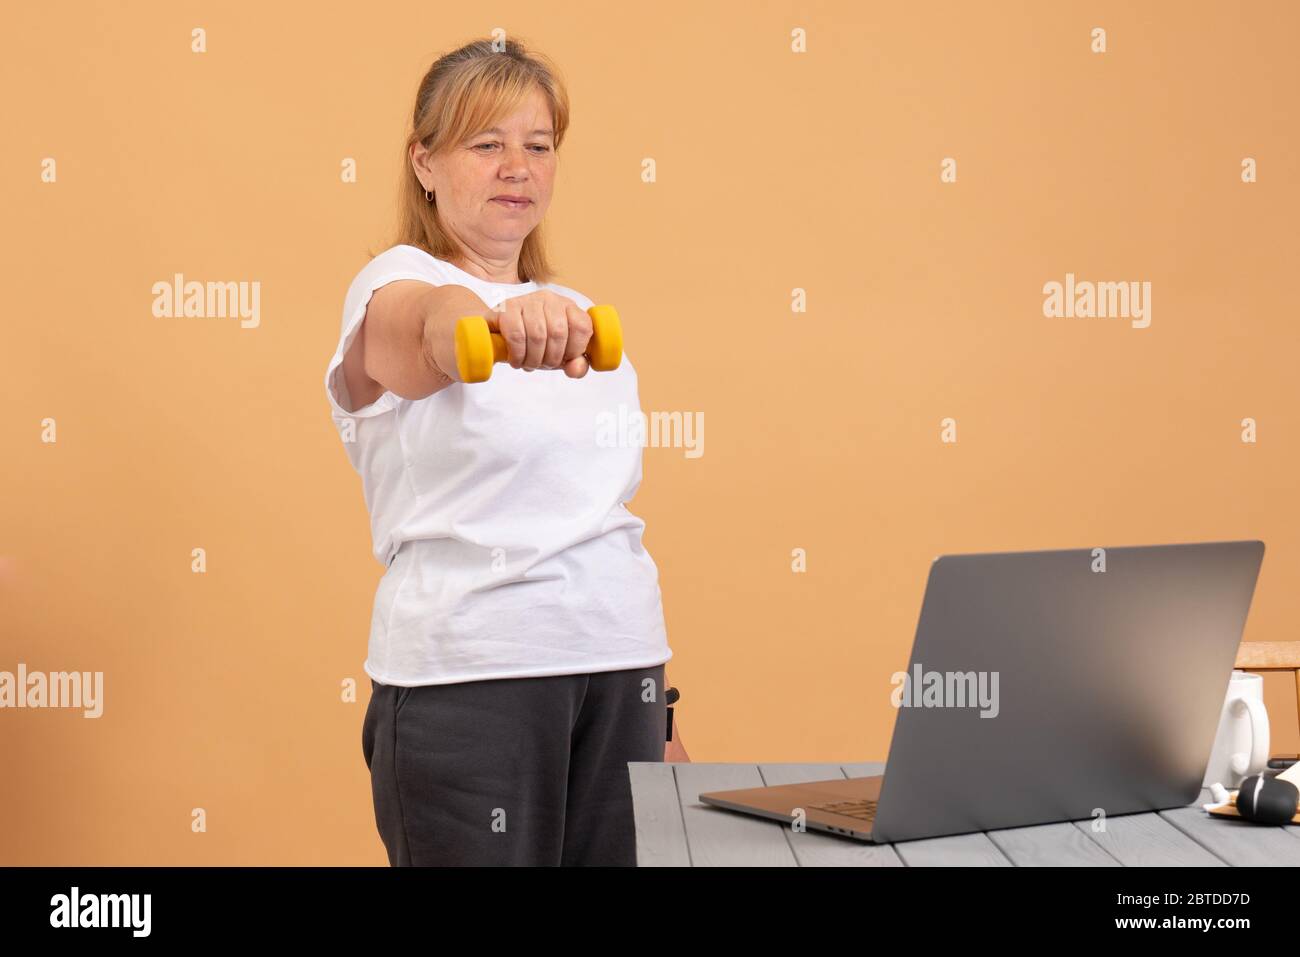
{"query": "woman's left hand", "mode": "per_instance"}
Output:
(673, 750)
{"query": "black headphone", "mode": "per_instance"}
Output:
(671, 696)
(1267, 800)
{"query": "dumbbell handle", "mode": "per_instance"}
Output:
(478, 348)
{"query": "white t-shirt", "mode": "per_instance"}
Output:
(498, 509)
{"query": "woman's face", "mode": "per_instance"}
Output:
(516, 158)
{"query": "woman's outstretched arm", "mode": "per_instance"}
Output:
(406, 345)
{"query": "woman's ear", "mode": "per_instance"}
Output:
(420, 158)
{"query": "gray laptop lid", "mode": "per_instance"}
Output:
(1102, 689)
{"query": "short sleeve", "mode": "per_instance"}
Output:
(399, 262)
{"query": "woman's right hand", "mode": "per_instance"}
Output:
(544, 330)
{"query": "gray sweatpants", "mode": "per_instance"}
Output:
(512, 771)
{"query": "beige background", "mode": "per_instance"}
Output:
(776, 171)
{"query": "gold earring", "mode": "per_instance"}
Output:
(428, 196)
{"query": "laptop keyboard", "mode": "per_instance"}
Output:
(862, 810)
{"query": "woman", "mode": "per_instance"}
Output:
(517, 645)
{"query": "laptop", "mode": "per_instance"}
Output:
(1044, 686)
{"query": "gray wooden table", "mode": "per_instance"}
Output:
(674, 829)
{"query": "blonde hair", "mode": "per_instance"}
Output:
(464, 92)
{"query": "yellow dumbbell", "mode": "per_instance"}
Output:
(478, 348)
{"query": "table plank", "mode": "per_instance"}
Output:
(1240, 843)
(960, 850)
(863, 769)
(719, 838)
(660, 831)
(1148, 840)
(1050, 845)
(818, 848)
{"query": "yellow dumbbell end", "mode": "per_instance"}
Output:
(474, 349)
(605, 350)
